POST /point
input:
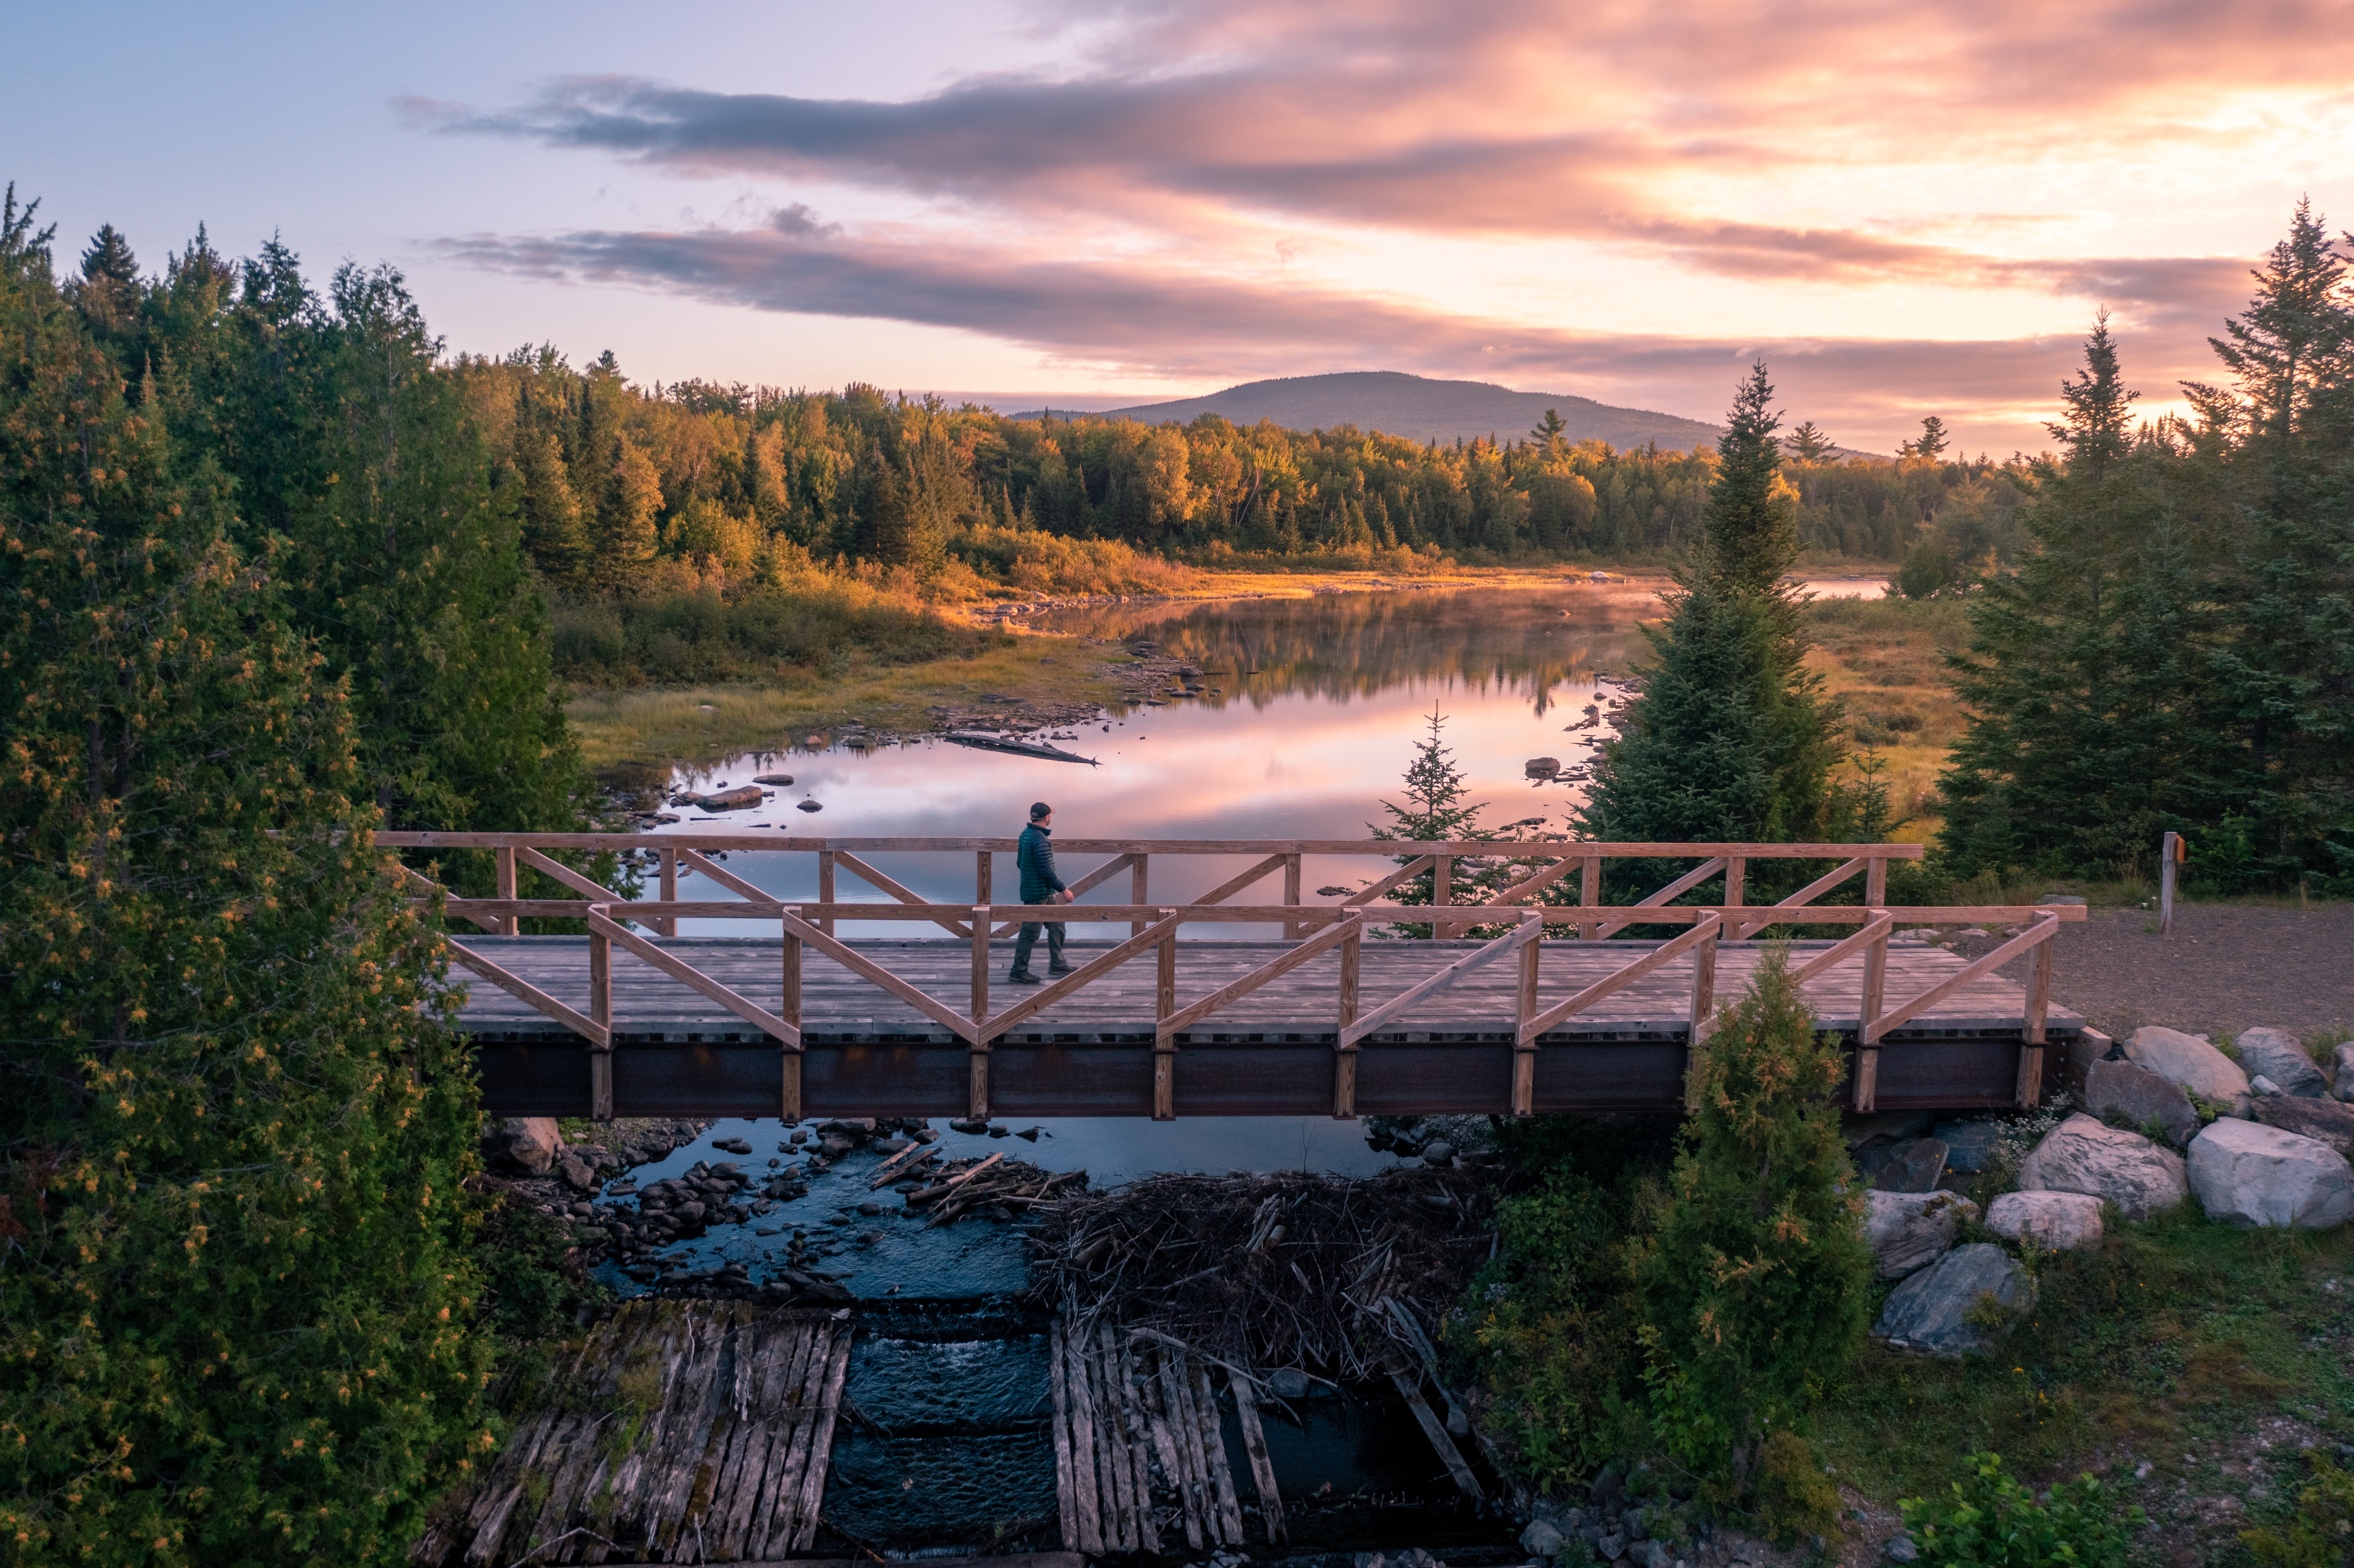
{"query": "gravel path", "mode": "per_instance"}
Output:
(2226, 967)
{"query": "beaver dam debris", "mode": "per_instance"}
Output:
(1292, 1270)
(677, 1430)
(1167, 1286)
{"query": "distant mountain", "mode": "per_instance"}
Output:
(1422, 409)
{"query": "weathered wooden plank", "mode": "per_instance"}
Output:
(1086, 1486)
(1117, 1503)
(1213, 1454)
(1270, 1501)
(1409, 1385)
(1177, 1394)
(1123, 1361)
(822, 1422)
(1175, 1469)
(773, 1532)
(1058, 1381)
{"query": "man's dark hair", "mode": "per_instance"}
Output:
(1040, 811)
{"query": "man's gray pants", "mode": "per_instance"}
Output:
(1026, 942)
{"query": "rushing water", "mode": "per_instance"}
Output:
(1323, 700)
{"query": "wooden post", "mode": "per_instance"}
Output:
(984, 872)
(1736, 876)
(669, 861)
(1291, 928)
(1524, 1052)
(1703, 1009)
(1344, 1059)
(601, 1010)
(825, 888)
(1164, 1002)
(976, 1083)
(1875, 988)
(1875, 881)
(1589, 895)
(979, 962)
(2038, 1006)
(2169, 853)
(509, 925)
(1137, 885)
(788, 1008)
(1442, 893)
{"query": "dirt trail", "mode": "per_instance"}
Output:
(2226, 966)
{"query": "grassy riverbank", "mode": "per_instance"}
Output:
(655, 724)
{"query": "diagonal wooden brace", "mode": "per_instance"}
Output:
(586, 1027)
(1185, 1018)
(695, 980)
(1683, 884)
(1093, 969)
(858, 963)
(1798, 900)
(1527, 931)
(1705, 929)
(2043, 930)
(905, 895)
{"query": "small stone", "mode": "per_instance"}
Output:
(575, 1173)
(1541, 1539)
(1655, 1554)
(2341, 1071)
(2263, 1087)
(870, 1207)
(1611, 1547)
(1440, 1154)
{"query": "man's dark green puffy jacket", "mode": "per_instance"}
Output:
(1034, 857)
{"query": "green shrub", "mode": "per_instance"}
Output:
(1755, 1289)
(2321, 1535)
(1793, 1497)
(1992, 1521)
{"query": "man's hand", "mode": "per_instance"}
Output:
(1064, 897)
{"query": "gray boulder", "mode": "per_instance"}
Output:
(2121, 1091)
(1909, 1231)
(1912, 1166)
(1943, 1309)
(1541, 1539)
(1970, 1145)
(577, 1172)
(2250, 1175)
(2275, 1054)
(2325, 1121)
(2080, 1155)
(2188, 1060)
(2053, 1222)
(526, 1143)
(2341, 1071)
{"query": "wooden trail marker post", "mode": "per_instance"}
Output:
(2172, 851)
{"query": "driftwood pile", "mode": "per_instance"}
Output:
(994, 1185)
(1291, 1270)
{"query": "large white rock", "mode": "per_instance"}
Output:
(2251, 1175)
(2055, 1221)
(2080, 1155)
(1944, 1309)
(2187, 1060)
(2341, 1071)
(1912, 1230)
(2275, 1054)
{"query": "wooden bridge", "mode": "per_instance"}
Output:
(1515, 1004)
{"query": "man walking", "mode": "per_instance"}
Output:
(1034, 857)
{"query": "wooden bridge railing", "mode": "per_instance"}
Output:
(1313, 930)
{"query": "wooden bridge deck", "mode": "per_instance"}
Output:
(866, 1051)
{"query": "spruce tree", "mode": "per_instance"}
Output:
(233, 1127)
(1756, 1283)
(2090, 728)
(1732, 739)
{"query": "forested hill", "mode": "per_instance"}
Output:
(1423, 410)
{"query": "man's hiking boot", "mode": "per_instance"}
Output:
(1058, 969)
(1021, 977)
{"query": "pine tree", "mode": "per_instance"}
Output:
(1932, 440)
(233, 1129)
(1808, 444)
(1756, 1283)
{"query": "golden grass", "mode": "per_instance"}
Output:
(1885, 658)
(704, 723)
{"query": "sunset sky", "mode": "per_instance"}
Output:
(1905, 210)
